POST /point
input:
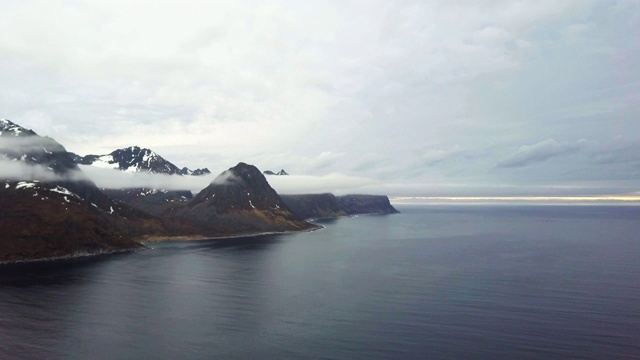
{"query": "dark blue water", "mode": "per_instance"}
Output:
(500, 282)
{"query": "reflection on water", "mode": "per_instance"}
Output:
(497, 282)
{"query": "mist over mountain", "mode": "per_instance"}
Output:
(241, 200)
(51, 208)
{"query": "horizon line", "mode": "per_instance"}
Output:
(506, 199)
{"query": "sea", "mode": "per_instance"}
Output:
(434, 282)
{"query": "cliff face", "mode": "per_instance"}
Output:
(327, 205)
(314, 206)
(240, 201)
(366, 204)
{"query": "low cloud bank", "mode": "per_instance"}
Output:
(115, 179)
(19, 170)
(337, 184)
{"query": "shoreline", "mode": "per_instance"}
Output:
(77, 255)
(145, 241)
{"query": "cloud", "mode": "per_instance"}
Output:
(385, 89)
(29, 144)
(224, 178)
(115, 179)
(19, 170)
(335, 183)
(540, 152)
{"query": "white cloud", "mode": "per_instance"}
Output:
(539, 152)
(115, 179)
(385, 89)
(335, 183)
(19, 170)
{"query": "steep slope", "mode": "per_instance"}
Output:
(40, 220)
(314, 206)
(366, 204)
(238, 201)
(152, 201)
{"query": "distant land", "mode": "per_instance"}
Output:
(269, 172)
(50, 209)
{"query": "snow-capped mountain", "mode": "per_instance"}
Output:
(46, 199)
(136, 159)
(19, 144)
(9, 128)
(196, 172)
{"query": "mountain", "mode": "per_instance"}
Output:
(269, 172)
(152, 201)
(132, 159)
(314, 206)
(9, 128)
(40, 221)
(24, 145)
(136, 159)
(49, 208)
(196, 172)
(366, 204)
(240, 201)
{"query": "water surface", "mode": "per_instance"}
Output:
(500, 282)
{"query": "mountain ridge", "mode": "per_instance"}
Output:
(137, 159)
(50, 209)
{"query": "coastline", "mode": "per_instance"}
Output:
(76, 255)
(150, 239)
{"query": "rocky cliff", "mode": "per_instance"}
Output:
(327, 205)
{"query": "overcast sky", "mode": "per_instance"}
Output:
(429, 98)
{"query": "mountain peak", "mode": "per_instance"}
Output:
(8, 127)
(241, 199)
(132, 159)
(137, 159)
(281, 172)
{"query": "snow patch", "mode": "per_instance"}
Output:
(63, 191)
(25, 185)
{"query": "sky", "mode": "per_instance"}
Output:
(404, 98)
